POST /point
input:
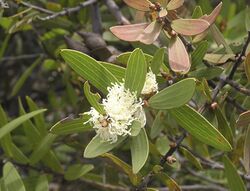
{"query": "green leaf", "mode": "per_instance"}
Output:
(42, 184)
(218, 58)
(200, 127)
(97, 147)
(162, 145)
(134, 178)
(219, 38)
(117, 71)
(77, 171)
(247, 19)
(191, 158)
(12, 179)
(197, 13)
(18, 85)
(246, 156)
(39, 119)
(158, 125)
(124, 57)
(223, 126)
(199, 53)
(29, 129)
(51, 160)
(4, 44)
(135, 128)
(244, 119)
(18, 121)
(174, 96)
(235, 183)
(89, 69)
(70, 126)
(169, 182)
(136, 72)
(139, 150)
(42, 148)
(208, 73)
(247, 66)
(157, 60)
(93, 99)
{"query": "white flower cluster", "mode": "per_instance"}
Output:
(151, 85)
(122, 107)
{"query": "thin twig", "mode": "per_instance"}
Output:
(40, 9)
(21, 57)
(96, 19)
(236, 86)
(68, 10)
(163, 160)
(240, 58)
(222, 83)
(197, 187)
(114, 9)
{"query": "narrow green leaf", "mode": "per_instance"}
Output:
(207, 73)
(191, 158)
(247, 65)
(136, 72)
(18, 121)
(235, 183)
(246, 156)
(135, 128)
(42, 148)
(247, 18)
(93, 99)
(199, 53)
(219, 38)
(4, 45)
(244, 119)
(71, 94)
(197, 13)
(39, 119)
(218, 58)
(200, 127)
(223, 126)
(77, 171)
(174, 96)
(12, 179)
(139, 150)
(157, 60)
(89, 69)
(29, 129)
(51, 160)
(10, 149)
(97, 147)
(42, 184)
(18, 155)
(169, 182)
(70, 126)
(124, 57)
(158, 125)
(18, 85)
(126, 168)
(117, 71)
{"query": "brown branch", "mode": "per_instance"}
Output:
(236, 86)
(67, 11)
(40, 9)
(197, 187)
(163, 160)
(237, 63)
(114, 9)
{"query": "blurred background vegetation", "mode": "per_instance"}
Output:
(33, 75)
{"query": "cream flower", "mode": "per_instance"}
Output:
(122, 107)
(151, 85)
